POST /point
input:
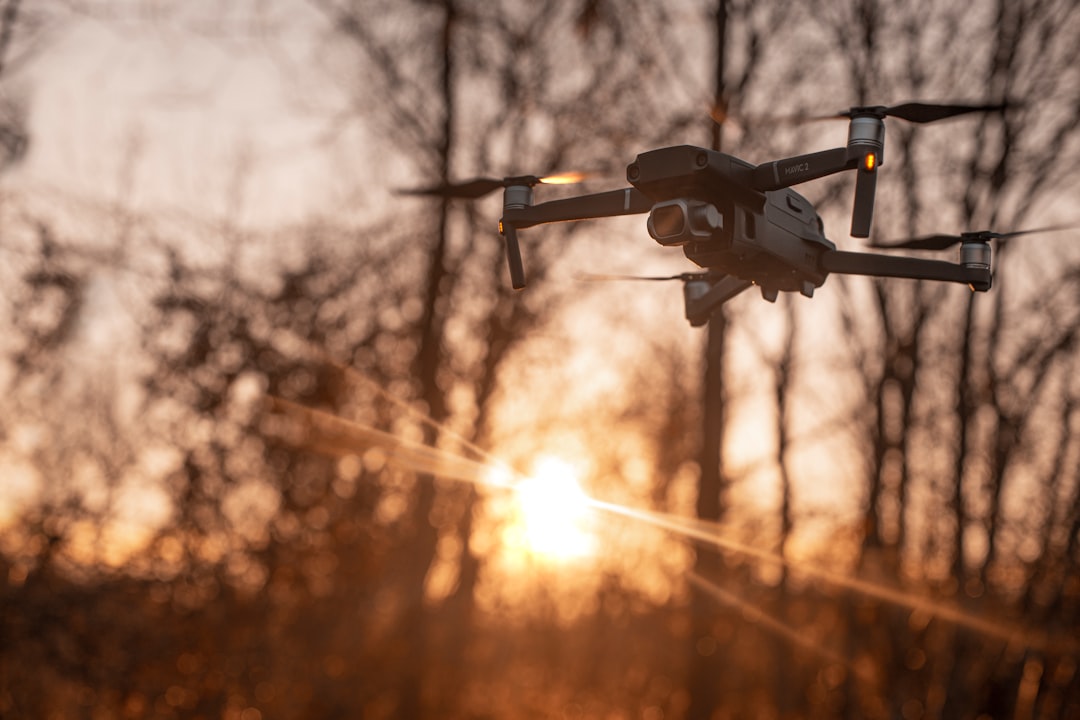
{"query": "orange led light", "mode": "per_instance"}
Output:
(501, 228)
(870, 161)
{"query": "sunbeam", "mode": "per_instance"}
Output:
(755, 614)
(420, 416)
(327, 433)
(708, 533)
(318, 354)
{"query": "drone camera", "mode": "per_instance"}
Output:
(677, 222)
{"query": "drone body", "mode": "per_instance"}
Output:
(742, 223)
(703, 203)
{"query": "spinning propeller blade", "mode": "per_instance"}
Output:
(471, 189)
(479, 187)
(943, 242)
(915, 112)
(594, 277)
(925, 242)
(932, 112)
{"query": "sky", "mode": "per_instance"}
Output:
(181, 113)
(173, 117)
(202, 115)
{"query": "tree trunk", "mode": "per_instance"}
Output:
(421, 549)
(706, 670)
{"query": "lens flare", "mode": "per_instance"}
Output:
(554, 512)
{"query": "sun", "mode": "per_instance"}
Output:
(554, 513)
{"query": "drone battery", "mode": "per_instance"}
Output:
(686, 171)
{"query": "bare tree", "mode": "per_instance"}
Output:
(951, 367)
(299, 574)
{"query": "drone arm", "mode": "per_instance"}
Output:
(628, 201)
(853, 263)
(801, 168)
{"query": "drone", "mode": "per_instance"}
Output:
(742, 223)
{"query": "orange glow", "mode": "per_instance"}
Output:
(568, 178)
(870, 161)
(553, 513)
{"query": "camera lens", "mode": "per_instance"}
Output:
(667, 221)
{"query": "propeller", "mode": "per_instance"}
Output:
(943, 242)
(915, 112)
(479, 187)
(866, 141)
(594, 277)
(932, 112)
(922, 112)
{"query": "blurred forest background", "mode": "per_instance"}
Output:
(198, 215)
